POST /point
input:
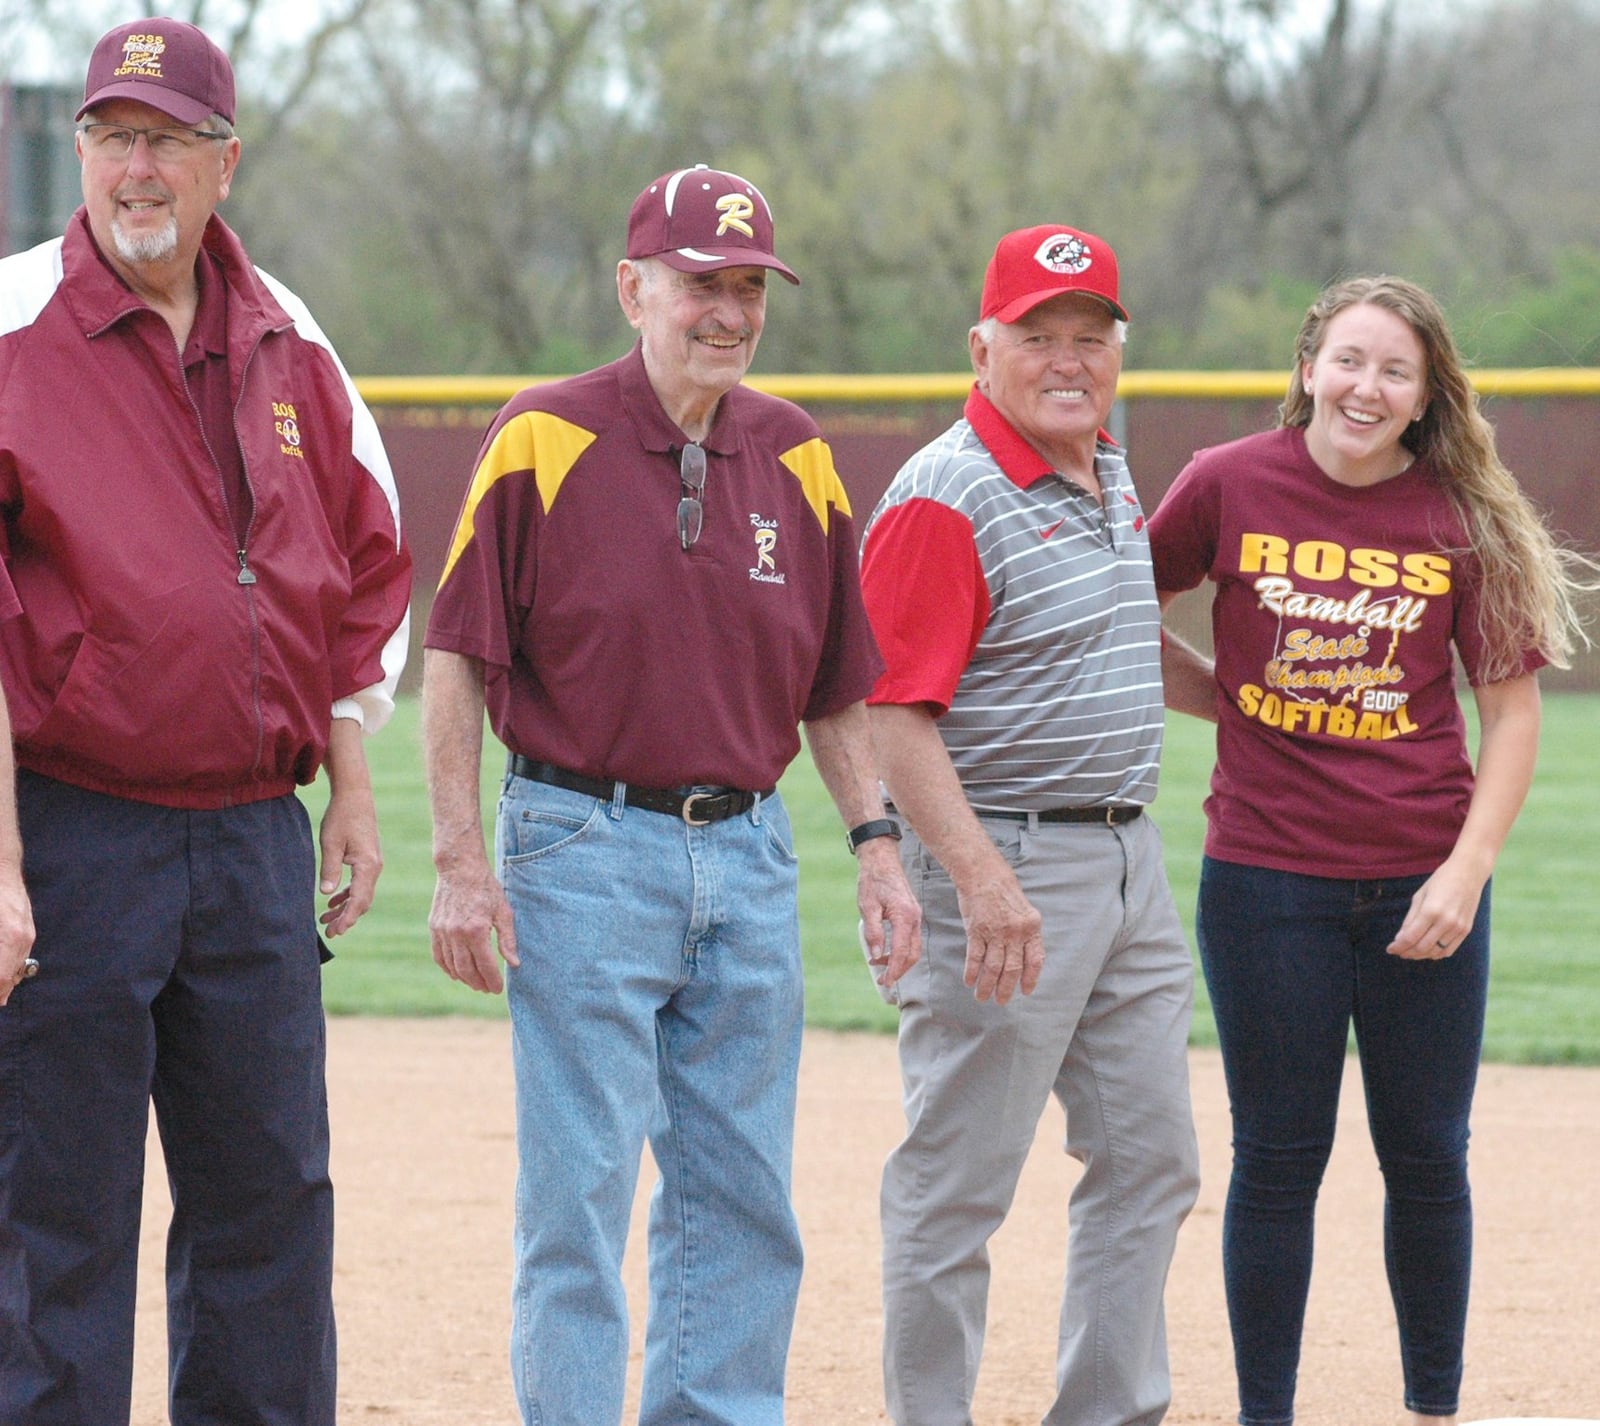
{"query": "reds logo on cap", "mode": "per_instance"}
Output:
(1064, 254)
(1033, 265)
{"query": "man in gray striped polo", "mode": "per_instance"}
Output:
(1018, 730)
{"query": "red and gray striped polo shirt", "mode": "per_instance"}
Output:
(1023, 612)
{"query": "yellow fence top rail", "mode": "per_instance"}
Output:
(953, 386)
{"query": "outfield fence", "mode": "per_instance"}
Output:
(1547, 422)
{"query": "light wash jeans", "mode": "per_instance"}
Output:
(659, 996)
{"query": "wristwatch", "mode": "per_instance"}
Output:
(866, 831)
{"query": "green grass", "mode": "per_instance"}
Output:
(1544, 1004)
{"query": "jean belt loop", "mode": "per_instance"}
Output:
(755, 809)
(1033, 821)
(619, 800)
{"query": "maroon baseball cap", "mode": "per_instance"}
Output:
(700, 219)
(1033, 265)
(167, 64)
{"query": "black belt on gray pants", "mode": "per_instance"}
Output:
(697, 807)
(1106, 816)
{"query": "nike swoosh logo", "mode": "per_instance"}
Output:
(1045, 531)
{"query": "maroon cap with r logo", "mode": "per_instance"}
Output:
(700, 219)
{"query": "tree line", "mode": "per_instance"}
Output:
(447, 181)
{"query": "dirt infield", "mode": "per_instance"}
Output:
(424, 1159)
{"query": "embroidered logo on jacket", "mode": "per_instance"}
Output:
(766, 566)
(287, 425)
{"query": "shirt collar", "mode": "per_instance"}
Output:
(657, 431)
(209, 334)
(98, 297)
(1021, 464)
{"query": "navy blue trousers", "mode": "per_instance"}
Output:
(179, 964)
(1293, 963)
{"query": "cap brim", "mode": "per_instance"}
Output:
(1019, 306)
(711, 259)
(182, 108)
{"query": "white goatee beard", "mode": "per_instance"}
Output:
(159, 246)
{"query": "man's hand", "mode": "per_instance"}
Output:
(470, 912)
(348, 838)
(16, 930)
(1005, 947)
(841, 747)
(16, 911)
(884, 898)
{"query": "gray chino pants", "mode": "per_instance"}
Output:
(1106, 1029)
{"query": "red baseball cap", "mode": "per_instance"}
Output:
(700, 219)
(167, 64)
(1033, 265)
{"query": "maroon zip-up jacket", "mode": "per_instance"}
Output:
(146, 655)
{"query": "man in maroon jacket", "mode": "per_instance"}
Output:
(203, 598)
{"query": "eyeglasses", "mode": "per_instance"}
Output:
(691, 509)
(168, 144)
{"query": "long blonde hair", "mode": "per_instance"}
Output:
(1530, 584)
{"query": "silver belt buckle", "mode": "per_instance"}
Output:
(688, 808)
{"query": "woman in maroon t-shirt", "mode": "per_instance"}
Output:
(1357, 551)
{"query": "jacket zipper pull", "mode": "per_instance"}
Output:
(246, 574)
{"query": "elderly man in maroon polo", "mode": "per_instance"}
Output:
(652, 585)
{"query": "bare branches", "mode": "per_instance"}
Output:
(1294, 102)
(448, 178)
(312, 66)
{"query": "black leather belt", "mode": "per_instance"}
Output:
(1105, 816)
(697, 806)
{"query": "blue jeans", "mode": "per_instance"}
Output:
(1292, 962)
(659, 997)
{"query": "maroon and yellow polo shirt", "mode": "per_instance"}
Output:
(612, 651)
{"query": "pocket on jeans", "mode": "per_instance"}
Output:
(530, 833)
(780, 835)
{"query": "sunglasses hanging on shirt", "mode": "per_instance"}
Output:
(691, 506)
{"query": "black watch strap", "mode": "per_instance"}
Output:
(866, 831)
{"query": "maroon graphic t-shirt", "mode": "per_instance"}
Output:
(1339, 613)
